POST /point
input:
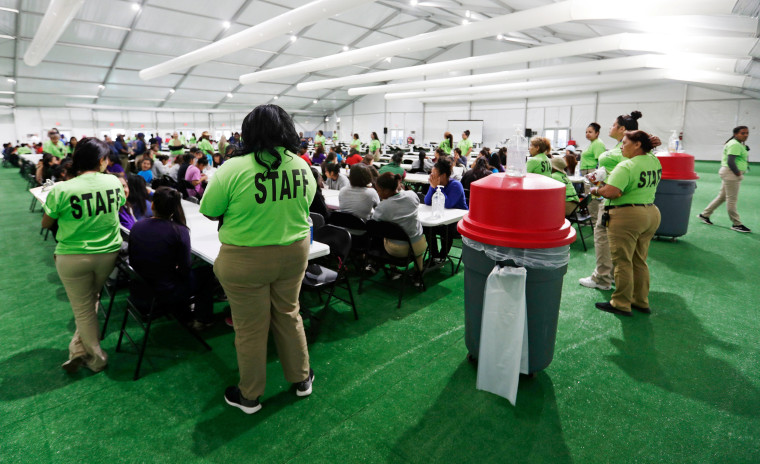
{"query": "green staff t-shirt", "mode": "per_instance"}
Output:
(609, 159)
(637, 178)
(590, 157)
(464, 145)
(374, 146)
(206, 147)
(320, 139)
(735, 148)
(260, 210)
(87, 210)
(539, 164)
(570, 193)
(445, 146)
(356, 144)
(58, 150)
(178, 151)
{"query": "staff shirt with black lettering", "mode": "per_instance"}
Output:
(539, 164)
(261, 210)
(87, 210)
(637, 178)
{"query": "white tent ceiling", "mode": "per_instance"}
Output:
(110, 41)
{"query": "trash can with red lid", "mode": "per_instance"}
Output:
(674, 193)
(517, 222)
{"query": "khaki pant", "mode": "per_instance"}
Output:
(729, 192)
(262, 285)
(630, 230)
(402, 251)
(603, 271)
(83, 277)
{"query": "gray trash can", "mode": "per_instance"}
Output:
(674, 193)
(543, 293)
(497, 231)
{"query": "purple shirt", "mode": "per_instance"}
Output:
(318, 158)
(115, 169)
(193, 173)
(126, 218)
(160, 251)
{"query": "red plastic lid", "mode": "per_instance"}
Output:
(517, 212)
(677, 166)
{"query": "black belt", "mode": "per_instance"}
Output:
(607, 208)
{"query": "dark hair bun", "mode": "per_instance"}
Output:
(635, 115)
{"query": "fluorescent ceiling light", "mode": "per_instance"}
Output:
(229, 95)
(345, 48)
(102, 87)
(658, 43)
(57, 18)
(689, 61)
(293, 38)
(172, 90)
(570, 10)
(315, 101)
(136, 7)
(522, 95)
(295, 19)
(12, 81)
(226, 24)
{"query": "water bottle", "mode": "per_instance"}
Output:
(673, 142)
(439, 200)
(311, 230)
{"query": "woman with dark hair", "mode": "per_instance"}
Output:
(146, 170)
(454, 197)
(159, 249)
(138, 196)
(374, 146)
(356, 144)
(631, 221)
(400, 207)
(478, 171)
(395, 165)
(503, 155)
(46, 168)
(114, 166)
(127, 217)
(73, 144)
(558, 174)
(331, 158)
(539, 149)
(458, 159)
(590, 156)
(318, 204)
(358, 198)
(320, 141)
(423, 164)
(448, 143)
(218, 161)
(264, 196)
(465, 145)
(732, 168)
(495, 162)
(319, 155)
(602, 276)
(86, 210)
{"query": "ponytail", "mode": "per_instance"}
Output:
(167, 204)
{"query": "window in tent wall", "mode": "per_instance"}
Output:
(559, 136)
(397, 137)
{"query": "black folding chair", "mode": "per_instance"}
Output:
(317, 220)
(319, 277)
(110, 288)
(358, 230)
(378, 231)
(581, 217)
(144, 313)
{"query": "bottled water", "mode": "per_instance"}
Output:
(439, 200)
(311, 230)
(517, 153)
(674, 143)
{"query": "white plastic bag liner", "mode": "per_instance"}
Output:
(534, 258)
(504, 333)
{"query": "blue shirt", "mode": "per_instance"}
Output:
(147, 175)
(139, 147)
(454, 193)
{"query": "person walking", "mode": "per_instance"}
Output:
(732, 168)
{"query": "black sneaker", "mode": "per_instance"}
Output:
(705, 219)
(642, 309)
(233, 397)
(304, 388)
(611, 309)
(741, 228)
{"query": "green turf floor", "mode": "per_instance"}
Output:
(680, 385)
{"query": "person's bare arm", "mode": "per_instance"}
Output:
(47, 221)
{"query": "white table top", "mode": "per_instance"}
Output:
(424, 214)
(39, 194)
(32, 158)
(575, 179)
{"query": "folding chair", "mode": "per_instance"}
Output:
(358, 230)
(317, 220)
(145, 316)
(320, 277)
(378, 231)
(581, 217)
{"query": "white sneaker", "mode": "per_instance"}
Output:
(591, 283)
